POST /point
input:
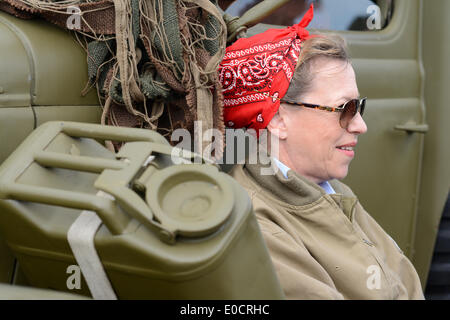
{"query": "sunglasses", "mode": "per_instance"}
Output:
(348, 110)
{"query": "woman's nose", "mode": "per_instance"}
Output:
(357, 125)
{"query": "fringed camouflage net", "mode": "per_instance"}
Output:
(154, 62)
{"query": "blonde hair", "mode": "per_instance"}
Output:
(327, 46)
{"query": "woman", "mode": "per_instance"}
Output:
(322, 242)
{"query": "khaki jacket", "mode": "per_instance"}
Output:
(326, 246)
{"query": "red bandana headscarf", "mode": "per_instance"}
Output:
(257, 70)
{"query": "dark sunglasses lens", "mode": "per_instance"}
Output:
(362, 106)
(349, 112)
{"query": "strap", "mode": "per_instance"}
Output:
(81, 240)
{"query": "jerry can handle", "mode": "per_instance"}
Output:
(32, 151)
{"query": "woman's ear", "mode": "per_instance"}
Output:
(277, 126)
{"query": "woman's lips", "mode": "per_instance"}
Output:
(348, 149)
(349, 153)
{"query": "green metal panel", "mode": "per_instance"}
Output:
(15, 125)
(6, 262)
(436, 169)
(88, 114)
(57, 63)
(15, 69)
(388, 78)
(14, 91)
(40, 65)
(9, 292)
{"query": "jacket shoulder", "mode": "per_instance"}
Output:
(237, 172)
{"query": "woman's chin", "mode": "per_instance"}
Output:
(339, 173)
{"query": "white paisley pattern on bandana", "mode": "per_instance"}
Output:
(246, 74)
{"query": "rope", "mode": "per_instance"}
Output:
(144, 55)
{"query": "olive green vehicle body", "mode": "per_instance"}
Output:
(401, 173)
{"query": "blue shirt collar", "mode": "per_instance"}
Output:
(284, 170)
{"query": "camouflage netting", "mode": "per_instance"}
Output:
(153, 62)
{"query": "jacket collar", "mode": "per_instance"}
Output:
(294, 190)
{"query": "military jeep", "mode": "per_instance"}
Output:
(400, 53)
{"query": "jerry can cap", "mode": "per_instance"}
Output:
(192, 199)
